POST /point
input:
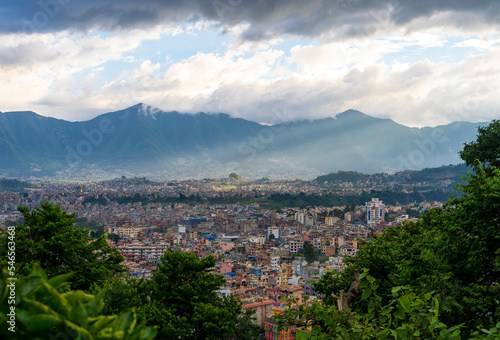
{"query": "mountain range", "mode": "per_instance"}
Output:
(145, 141)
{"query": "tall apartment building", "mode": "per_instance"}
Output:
(300, 217)
(375, 211)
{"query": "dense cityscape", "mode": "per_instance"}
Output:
(264, 254)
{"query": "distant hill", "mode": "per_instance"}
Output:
(343, 176)
(13, 185)
(145, 141)
(452, 173)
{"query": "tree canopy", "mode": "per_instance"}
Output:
(486, 149)
(48, 237)
(309, 252)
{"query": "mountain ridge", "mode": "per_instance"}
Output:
(143, 139)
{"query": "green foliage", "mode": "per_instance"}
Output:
(429, 175)
(96, 229)
(49, 238)
(472, 246)
(13, 185)
(453, 252)
(121, 293)
(181, 299)
(235, 176)
(280, 200)
(406, 315)
(42, 311)
(92, 200)
(309, 252)
(343, 176)
(113, 237)
(191, 309)
(486, 149)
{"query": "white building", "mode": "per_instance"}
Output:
(275, 262)
(144, 251)
(300, 217)
(375, 211)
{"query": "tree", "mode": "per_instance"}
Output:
(48, 238)
(235, 176)
(41, 310)
(96, 229)
(486, 149)
(471, 246)
(338, 213)
(309, 252)
(192, 309)
(121, 293)
(113, 237)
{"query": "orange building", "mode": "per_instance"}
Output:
(271, 327)
(273, 333)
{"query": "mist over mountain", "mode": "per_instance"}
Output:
(145, 141)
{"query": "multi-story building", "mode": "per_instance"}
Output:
(295, 245)
(275, 262)
(328, 250)
(131, 232)
(330, 220)
(285, 273)
(301, 217)
(375, 211)
(300, 268)
(307, 287)
(144, 251)
(310, 221)
(338, 240)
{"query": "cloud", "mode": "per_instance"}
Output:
(317, 84)
(52, 72)
(337, 19)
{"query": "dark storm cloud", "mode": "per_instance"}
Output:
(267, 18)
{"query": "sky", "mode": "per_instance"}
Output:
(418, 62)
